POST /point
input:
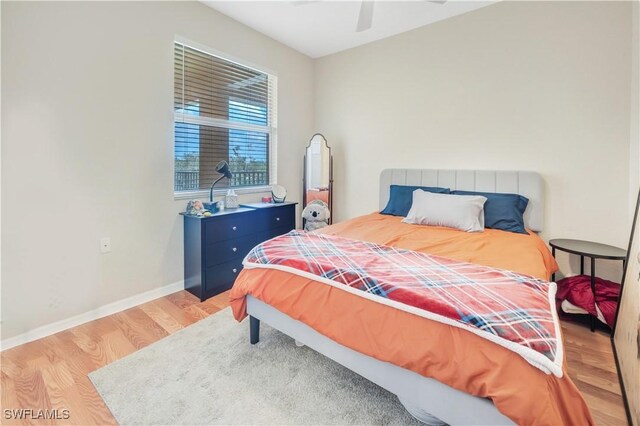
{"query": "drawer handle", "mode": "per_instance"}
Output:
(278, 219)
(235, 270)
(234, 228)
(235, 249)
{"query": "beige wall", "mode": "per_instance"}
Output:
(87, 152)
(540, 86)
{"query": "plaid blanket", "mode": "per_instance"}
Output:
(512, 310)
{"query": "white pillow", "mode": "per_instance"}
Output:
(464, 212)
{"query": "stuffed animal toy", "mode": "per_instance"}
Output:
(316, 215)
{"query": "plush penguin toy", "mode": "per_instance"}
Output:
(316, 215)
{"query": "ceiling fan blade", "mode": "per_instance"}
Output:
(365, 18)
(437, 1)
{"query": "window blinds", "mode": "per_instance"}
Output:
(222, 111)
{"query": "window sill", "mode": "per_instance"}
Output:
(194, 195)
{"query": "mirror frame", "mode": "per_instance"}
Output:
(304, 176)
(630, 259)
(626, 265)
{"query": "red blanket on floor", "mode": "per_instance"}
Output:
(577, 290)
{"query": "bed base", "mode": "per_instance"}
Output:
(426, 399)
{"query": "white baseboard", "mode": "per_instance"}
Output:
(103, 311)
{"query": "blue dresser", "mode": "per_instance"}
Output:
(215, 246)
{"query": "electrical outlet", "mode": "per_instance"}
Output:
(105, 245)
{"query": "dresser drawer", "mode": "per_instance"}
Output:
(233, 226)
(277, 217)
(220, 277)
(279, 231)
(224, 251)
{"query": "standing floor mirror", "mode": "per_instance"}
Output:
(318, 174)
(626, 329)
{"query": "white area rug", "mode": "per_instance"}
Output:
(208, 373)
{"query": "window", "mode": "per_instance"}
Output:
(222, 111)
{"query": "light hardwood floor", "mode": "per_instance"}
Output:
(52, 372)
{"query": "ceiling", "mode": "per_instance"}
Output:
(319, 28)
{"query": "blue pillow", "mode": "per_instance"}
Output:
(401, 198)
(502, 211)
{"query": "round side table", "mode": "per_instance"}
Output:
(591, 250)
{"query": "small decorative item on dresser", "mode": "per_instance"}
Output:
(278, 193)
(195, 208)
(231, 199)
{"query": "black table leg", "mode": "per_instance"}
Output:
(593, 290)
(553, 253)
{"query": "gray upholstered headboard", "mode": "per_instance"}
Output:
(528, 184)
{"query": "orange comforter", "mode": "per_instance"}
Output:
(519, 390)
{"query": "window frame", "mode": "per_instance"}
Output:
(181, 117)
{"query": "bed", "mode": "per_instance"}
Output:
(441, 374)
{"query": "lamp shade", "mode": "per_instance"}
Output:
(223, 168)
